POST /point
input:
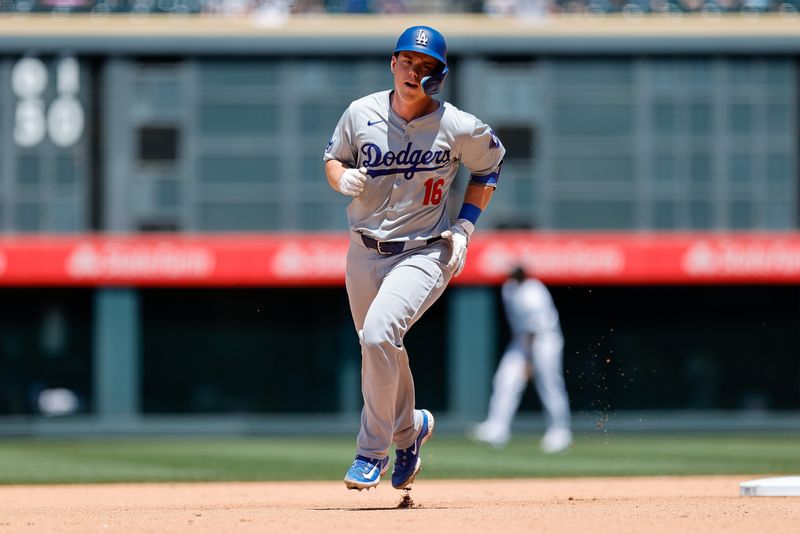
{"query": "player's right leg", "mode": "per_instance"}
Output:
(508, 385)
(362, 283)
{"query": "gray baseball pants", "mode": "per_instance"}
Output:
(388, 294)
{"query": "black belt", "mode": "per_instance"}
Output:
(390, 248)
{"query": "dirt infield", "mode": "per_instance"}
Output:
(597, 505)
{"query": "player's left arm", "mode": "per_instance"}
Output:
(476, 199)
(483, 151)
(477, 195)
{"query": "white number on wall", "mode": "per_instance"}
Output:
(29, 80)
(29, 127)
(64, 120)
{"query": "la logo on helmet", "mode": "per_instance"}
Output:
(422, 39)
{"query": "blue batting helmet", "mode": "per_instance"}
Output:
(426, 40)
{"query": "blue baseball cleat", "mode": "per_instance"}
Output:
(408, 462)
(365, 473)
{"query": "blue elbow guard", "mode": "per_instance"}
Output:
(489, 179)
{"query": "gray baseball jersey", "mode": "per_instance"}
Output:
(411, 165)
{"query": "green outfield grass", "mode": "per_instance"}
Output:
(327, 458)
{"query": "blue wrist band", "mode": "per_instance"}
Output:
(470, 212)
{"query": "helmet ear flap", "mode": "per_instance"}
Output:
(433, 84)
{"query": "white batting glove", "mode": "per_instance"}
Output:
(458, 235)
(352, 181)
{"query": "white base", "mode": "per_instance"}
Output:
(771, 487)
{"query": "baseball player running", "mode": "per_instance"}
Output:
(536, 347)
(396, 152)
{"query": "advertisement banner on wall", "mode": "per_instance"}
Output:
(319, 259)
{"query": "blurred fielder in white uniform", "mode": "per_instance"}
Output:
(397, 152)
(536, 349)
